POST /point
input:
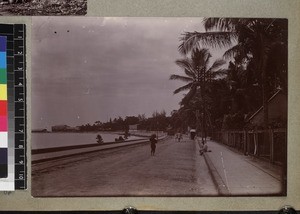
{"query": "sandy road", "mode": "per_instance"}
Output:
(176, 169)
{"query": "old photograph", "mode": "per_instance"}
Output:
(126, 106)
(43, 7)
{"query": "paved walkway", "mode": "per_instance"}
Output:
(236, 174)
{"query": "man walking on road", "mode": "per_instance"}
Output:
(153, 142)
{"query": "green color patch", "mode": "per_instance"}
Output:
(3, 76)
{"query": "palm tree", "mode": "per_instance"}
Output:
(246, 39)
(200, 103)
(197, 71)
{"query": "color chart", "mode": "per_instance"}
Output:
(3, 109)
(14, 110)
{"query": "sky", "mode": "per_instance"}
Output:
(86, 69)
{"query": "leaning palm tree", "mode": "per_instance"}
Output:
(197, 71)
(246, 39)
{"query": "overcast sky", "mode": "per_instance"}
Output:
(89, 69)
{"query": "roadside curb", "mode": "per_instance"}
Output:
(217, 179)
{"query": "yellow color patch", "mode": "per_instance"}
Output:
(3, 92)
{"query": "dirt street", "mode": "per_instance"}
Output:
(175, 170)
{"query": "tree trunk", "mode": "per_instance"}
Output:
(264, 53)
(265, 97)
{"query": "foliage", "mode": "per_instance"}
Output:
(258, 50)
(233, 121)
(196, 68)
(48, 7)
(158, 122)
(99, 139)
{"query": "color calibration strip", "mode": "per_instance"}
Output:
(3, 110)
(8, 183)
(16, 107)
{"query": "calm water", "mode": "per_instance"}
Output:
(50, 140)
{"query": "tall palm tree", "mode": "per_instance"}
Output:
(197, 70)
(246, 39)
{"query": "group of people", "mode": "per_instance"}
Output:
(178, 136)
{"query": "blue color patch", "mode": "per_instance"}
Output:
(2, 59)
(2, 43)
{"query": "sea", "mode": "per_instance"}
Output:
(51, 140)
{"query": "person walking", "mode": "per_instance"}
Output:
(176, 137)
(153, 142)
(179, 137)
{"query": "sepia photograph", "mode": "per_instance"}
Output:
(131, 106)
(43, 7)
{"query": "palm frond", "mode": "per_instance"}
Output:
(182, 78)
(222, 24)
(190, 74)
(192, 40)
(217, 64)
(215, 75)
(219, 73)
(183, 88)
(200, 57)
(186, 65)
(206, 63)
(232, 52)
(189, 96)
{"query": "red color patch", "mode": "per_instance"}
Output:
(3, 108)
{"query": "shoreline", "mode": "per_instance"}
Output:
(70, 147)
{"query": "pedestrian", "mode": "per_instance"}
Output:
(179, 137)
(176, 137)
(192, 134)
(202, 145)
(153, 142)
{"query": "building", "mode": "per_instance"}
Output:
(277, 108)
(133, 127)
(269, 144)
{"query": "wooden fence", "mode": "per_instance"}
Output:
(269, 144)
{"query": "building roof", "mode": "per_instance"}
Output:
(261, 108)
